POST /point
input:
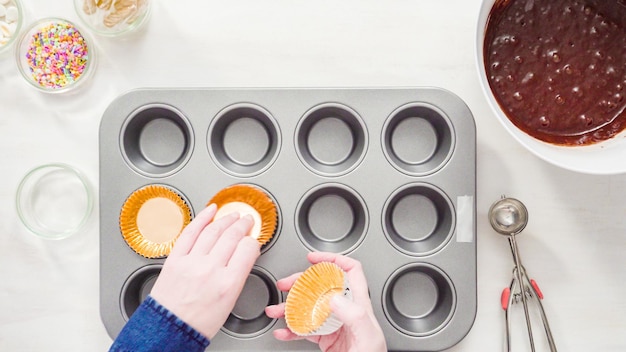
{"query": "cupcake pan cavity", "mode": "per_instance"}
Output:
(137, 287)
(156, 140)
(331, 139)
(418, 219)
(419, 299)
(331, 218)
(244, 140)
(248, 317)
(418, 138)
(386, 176)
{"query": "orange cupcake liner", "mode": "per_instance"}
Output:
(130, 229)
(307, 308)
(255, 198)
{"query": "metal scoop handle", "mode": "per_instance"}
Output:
(528, 289)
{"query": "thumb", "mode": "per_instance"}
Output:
(350, 313)
(359, 324)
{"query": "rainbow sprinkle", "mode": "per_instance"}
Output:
(57, 55)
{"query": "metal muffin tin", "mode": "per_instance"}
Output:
(387, 176)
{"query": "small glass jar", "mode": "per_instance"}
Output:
(55, 56)
(11, 22)
(113, 18)
(54, 201)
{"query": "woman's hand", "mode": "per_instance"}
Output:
(206, 270)
(360, 330)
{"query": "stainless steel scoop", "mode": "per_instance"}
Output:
(509, 216)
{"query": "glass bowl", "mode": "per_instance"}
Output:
(11, 22)
(54, 201)
(113, 18)
(46, 63)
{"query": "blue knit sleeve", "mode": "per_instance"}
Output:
(154, 328)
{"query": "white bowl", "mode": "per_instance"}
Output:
(604, 158)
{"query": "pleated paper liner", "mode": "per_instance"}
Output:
(307, 308)
(250, 200)
(152, 218)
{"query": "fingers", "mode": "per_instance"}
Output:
(246, 253)
(285, 284)
(285, 335)
(345, 263)
(275, 311)
(288, 335)
(190, 233)
(226, 244)
(211, 233)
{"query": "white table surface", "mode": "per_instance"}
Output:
(574, 245)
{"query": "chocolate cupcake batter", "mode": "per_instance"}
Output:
(558, 69)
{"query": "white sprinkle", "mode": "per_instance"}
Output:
(3, 10)
(5, 29)
(12, 14)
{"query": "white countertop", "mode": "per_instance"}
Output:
(574, 245)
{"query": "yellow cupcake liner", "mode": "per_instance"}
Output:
(130, 228)
(255, 198)
(307, 308)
